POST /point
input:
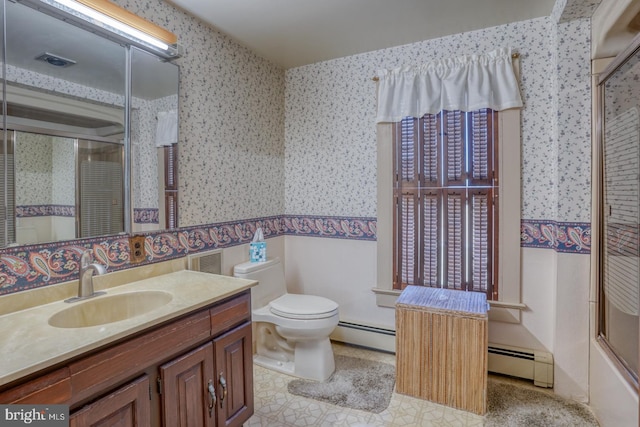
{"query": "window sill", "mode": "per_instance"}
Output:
(500, 311)
(386, 297)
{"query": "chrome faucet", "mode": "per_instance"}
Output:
(85, 279)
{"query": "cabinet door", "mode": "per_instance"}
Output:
(234, 376)
(187, 400)
(125, 407)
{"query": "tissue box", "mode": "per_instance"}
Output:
(258, 251)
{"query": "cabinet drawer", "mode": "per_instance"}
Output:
(104, 369)
(231, 313)
(52, 388)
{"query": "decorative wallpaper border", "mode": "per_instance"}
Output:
(27, 211)
(32, 266)
(330, 227)
(570, 237)
(146, 215)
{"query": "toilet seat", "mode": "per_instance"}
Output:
(304, 307)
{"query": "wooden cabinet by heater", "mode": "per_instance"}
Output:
(441, 347)
(234, 376)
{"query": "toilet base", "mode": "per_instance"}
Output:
(273, 364)
(313, 360)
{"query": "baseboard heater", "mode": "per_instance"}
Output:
(522, 363)
(517, 362)
(366, 336)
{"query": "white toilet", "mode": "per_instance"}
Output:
(292, 330)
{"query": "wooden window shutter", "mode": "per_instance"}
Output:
(455, 245)
(171, 185)
(445, 218)
(430, 238)
(406, 241)
(481, 235)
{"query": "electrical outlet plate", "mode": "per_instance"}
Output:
(137, 251)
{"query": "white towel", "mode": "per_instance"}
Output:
(167, 129)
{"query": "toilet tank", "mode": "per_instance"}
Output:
(270, 277)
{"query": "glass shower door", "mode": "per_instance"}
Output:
(620, 215)
(100, 188)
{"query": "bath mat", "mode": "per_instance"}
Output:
(356, 383)
(514, 406)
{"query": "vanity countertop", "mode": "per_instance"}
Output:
(29, 344)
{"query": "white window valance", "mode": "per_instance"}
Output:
(465, 83)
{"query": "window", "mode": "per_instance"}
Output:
(444, 193)
(489, 81)
(506, 306)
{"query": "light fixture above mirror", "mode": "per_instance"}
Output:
(113, 22)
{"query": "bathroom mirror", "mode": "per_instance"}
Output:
(63, 156)
(154, 138)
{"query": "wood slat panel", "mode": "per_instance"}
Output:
(442, 354)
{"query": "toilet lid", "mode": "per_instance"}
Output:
(295, 306)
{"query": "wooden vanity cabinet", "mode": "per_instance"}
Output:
(167, 376)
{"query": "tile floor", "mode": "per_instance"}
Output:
(276, 407)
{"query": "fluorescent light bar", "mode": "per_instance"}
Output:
(113, 23)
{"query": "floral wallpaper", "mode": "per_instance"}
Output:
(573, 133)
(144, 151)
(568, 10)
(231, 136)
(33, 166)
(63, 172)
(44, 175)
(330, 120)
(242, 133)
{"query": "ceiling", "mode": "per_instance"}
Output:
(291, 33)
